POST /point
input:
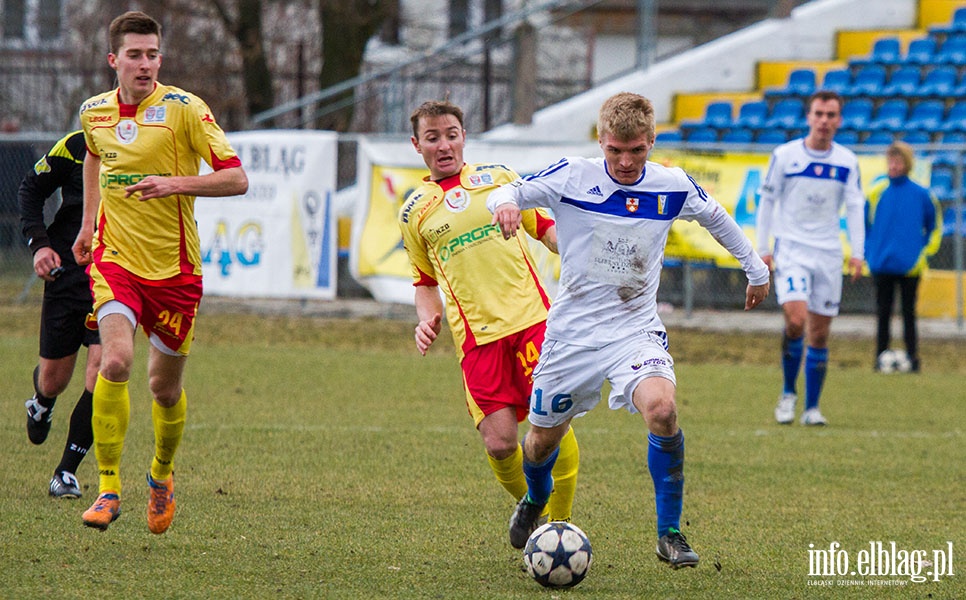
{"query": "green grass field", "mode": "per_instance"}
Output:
(327, 459)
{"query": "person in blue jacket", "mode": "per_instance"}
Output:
(903, 227)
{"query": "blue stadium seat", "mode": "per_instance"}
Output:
(671, 135)
(957, 24)
(917, 137)
(847, 137)
(941, 184)
(879, 138)
(953, 137)
(856, 114)
(702, 134)
(885, 51)
(752, 115)
(926, 116)
(903, 82)
(786, 114)
(920, 52)
(838, 81)
(771, 136)
(955, 118)
(716, 115)
(801, 83)
(738, 136)
(952, 52)
(959, 92)
(890, 116)
(868, 81)
(939, 82)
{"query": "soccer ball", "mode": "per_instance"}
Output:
(894, 361)
(558, 555)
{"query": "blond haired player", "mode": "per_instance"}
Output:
(613, 215)
(145, 142)
(496, 305)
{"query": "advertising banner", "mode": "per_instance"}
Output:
(279, 239)
(389, 170)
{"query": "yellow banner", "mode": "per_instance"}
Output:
(389, 171)
(733, 180)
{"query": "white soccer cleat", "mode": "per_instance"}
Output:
(785, 411)
(813, 417)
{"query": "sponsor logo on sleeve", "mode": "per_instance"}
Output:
(173, 97)
(92, 104)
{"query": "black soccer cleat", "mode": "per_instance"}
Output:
(673, 548)
(38, 420)
(523, 522)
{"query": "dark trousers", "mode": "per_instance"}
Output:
(885, 289)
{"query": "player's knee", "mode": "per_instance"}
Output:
(662, 414)
(115, 368)
(165, 392)
(52, 385)
(540, 444)
(500, 445)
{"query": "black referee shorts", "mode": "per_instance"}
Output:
(62, 326)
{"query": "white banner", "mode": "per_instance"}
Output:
(279, 239)
(388, 171)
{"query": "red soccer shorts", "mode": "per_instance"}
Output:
(166, 308)
(500, 374)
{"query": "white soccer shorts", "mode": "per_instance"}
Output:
(568, 379)
(809, 274)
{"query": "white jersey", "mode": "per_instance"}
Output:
(802, 198)
(611, 239)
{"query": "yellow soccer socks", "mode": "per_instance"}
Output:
(564, 473)
(168, 430)
(111, 408)
(509, 472)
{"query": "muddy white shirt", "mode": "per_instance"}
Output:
(611, 239)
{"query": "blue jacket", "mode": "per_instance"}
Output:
(903, 226)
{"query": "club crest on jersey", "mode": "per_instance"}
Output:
(456, 200)
(126, 131)
(632, 204)
(484, 179)
(155, 114)
(818, 170)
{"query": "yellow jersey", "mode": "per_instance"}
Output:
(491, 285)
(167, 134)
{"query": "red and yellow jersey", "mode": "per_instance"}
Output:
(491, 285)
(168, 134)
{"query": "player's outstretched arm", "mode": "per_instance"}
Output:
(549, 239)
(92, 200)
(429, 309)
(755, 295)
(507, 216)
(226, 182)
(855, 268)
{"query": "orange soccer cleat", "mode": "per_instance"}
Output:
(160, 504)
(105, 510)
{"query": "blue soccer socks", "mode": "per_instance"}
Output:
(665, 461)
(816, 361)
(539, 478)
(791, 361)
